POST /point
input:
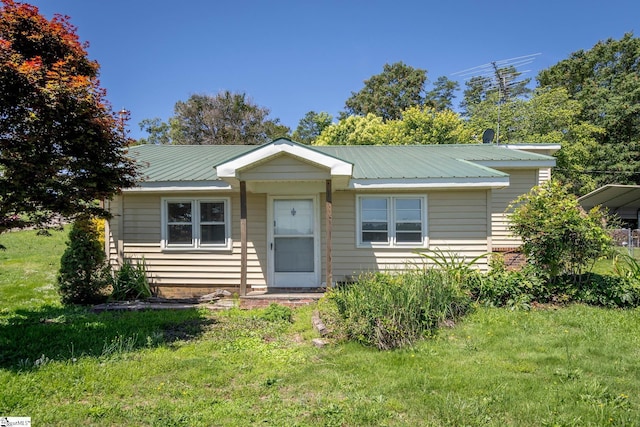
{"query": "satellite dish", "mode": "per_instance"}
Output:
(487, 136)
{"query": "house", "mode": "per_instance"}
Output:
(287, 215)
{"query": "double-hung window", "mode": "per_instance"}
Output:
(196, 224)
(391, 221)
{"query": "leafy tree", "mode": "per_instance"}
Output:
(388, 94)
(60, 144)
(84, 272)
(274, 129)
(159, 131)
(356, 130)
(484, 114)
(545, 117)
(575, 160)
(442, 95)
(549, 116)
(224, 119)
(558, 235)
(418, 125)
(605, 81)
(311, 126)
(552, 116)
(428, 126)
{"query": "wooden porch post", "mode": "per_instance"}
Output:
(243, 238)
(329, 227)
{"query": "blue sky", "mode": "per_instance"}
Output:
(296, 56)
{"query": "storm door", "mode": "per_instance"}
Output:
(294, 246)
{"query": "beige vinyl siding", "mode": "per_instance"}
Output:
(142, 219)
(284, 168)
(193, 271)
(544, 175)
(520, 182)
(113, 230)
(456, 223)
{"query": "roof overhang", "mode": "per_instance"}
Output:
(612, 196)
(178, 186)
(336, 167)
(535, 148)
(432, 183)
(517, 164)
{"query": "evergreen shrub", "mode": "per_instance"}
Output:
(84, 274)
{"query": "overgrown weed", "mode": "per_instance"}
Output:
(395, 310)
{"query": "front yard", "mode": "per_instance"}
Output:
(575, 365)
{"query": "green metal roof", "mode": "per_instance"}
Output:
(181, 163)
(425, 161)
(178, 163)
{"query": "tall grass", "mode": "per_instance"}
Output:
(391, 311)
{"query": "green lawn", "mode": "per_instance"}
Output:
(574, 366)
(605, 265)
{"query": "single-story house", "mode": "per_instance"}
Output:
(287, 215)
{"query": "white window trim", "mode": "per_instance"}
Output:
(392, 243)
(195, 231)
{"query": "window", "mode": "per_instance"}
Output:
(196, 224)
(408, 220)
(391, 221)
(374, 216)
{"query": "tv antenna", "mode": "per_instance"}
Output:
(501, 76)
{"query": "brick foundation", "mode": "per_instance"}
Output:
(190, 291)
(513, 258)
(283, 296)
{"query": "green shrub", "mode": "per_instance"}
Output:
(604, 290)
(519, 288)
(618, 290)
(511, 288)
(558, 236)
(391, 311)
(131, 281)
(277, 313)
(84, 273)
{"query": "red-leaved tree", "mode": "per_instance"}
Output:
(61, 145)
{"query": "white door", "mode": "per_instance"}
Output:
(294, 243)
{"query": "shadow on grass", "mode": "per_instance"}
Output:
(28, 337)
